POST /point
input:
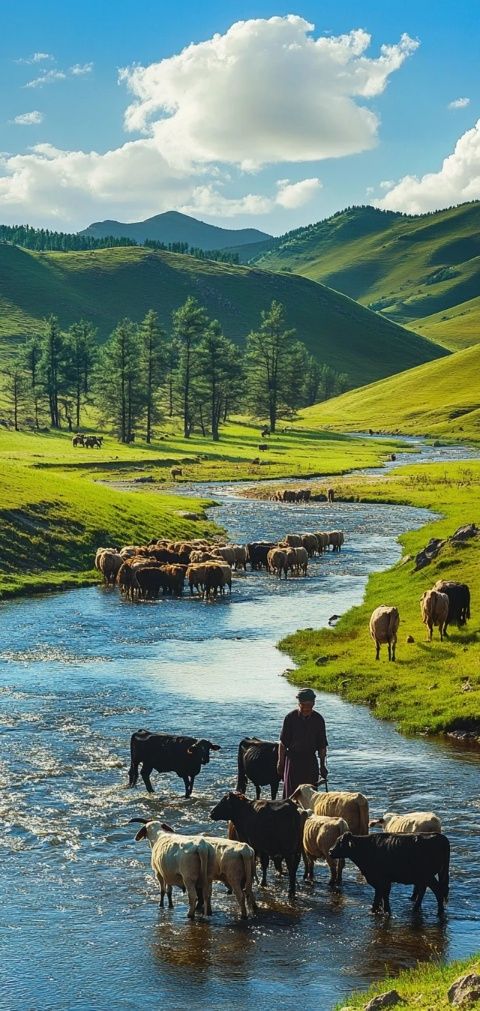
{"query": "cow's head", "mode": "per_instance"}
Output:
(225, 809)
(342, 846)
(201, 749)
(150, 830)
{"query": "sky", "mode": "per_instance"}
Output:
(254, 114)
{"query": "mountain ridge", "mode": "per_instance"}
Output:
(172, 226)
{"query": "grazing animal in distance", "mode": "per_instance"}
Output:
(257, 761)
(168, 753)
(78, 440)
(384, 623)
(434, 607)
(330, 494)
(176, 472)
(385, 858)
(352, 807)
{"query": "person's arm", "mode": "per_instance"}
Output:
(322, 749)
(282, 751)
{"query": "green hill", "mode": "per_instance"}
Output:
(422, 271)
(175, 227)
(439, 398)
(104, 285)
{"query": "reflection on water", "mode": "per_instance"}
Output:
(81, 923)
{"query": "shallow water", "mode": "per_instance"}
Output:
(81, 926)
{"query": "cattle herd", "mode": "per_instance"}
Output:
(330, 826)
(161, 567)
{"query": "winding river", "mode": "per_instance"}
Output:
(81, 927)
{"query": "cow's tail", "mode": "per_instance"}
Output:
(134, 762)
(248, 865)
(241, 774)
(204, 852)
(444, 873)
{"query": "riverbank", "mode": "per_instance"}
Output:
(55, 510)
(433, 687)
(424, 988)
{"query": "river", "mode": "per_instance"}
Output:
(80, 923)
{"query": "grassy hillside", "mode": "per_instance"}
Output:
(104, 285)
(424, 988)
(432, 687)
(422, 271)
(439, 398)
(171, 226)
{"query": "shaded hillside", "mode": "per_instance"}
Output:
(439, 398)
(175, 227)
(422, 271)
(105, 285)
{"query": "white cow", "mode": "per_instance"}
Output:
(235, 866)
(186, 861)
(320, 833)
(353, 807)
(413, 822)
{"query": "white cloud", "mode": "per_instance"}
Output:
(459, 103)
(458, 180)
(35, 58)
(386, 184)
(29, 118)
(46, 77)
(80, 69)
(292, 195)
(265, 92)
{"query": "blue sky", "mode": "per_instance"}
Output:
(301, 149)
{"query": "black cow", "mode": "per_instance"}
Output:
(257, 553)
(421, 860)
(458, 601)
(166, 753)
(274, 828)
(257, 761)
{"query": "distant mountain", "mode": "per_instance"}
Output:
(420, 270)
(174, 227)
(106, 284)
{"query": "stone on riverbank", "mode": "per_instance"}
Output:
(388, 999)
(465, 991)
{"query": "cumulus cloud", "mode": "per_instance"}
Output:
(266, 91)
(459, 103)
(29, 118)
(80, 69)
(458, 180)
(207, 199)
(46, 77)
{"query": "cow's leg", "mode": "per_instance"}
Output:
(239, 894)
(274, 790)
(437, 891)
(340, 866)
(257, 791)
(292, 863)
(333, 871)
(377, 654)
(420, 892)
(264, 865)
(377, 899)
(186, 780)
(192, 899)
(162, 888)
(133, 773)
(394, 645)
(145, 774)
(389, 651)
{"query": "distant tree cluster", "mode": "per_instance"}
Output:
(44, 240)
(143, 375)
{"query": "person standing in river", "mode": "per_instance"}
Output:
(303, 737)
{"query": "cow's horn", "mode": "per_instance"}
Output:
(143, 821)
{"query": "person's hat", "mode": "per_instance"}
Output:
(306, 695)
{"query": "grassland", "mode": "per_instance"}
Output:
(105, 285)
(422, 271)
(424, 988)
(440, 399)
(433, 687)
(55, 511)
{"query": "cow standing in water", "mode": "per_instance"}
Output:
(167, 753)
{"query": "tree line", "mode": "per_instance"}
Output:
(45, 240)
(143, 375)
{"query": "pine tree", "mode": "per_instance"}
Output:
(52, 367)
(269, 357)
(31, 363)
(118, 380)
(217, 363)
(81, 347)
(190, 322)
(15, 389)
(152, 360)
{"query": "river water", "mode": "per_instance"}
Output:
(80, 923)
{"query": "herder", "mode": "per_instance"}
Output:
(303, 736)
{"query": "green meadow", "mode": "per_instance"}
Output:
(56, 509)
(440, 399)
(432, 687)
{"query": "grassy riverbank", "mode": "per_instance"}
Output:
(424, 988)
(433, 687)
(55, 511)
